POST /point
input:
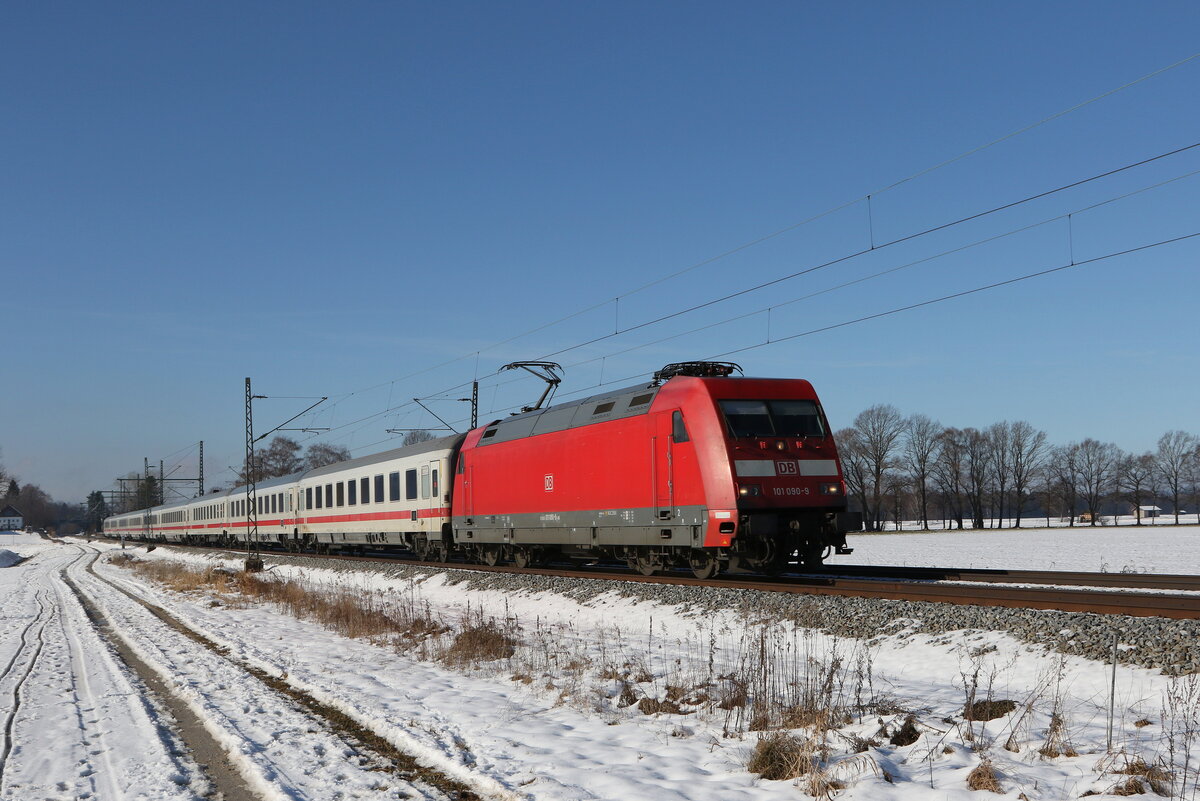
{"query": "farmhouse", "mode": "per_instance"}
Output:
(11, 519)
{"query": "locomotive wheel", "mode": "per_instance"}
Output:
(645, 564)
(439, 552)
(704, 565)
(522, 557)
(490, 555)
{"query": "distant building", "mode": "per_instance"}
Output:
(1147, 512)
(11, 519)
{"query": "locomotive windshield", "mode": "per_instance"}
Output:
(772, 418)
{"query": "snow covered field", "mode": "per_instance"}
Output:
(1113, 549)
(548, 721)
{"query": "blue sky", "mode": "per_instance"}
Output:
(371, 200)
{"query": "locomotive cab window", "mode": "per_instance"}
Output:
(679, 431)
(772, 418)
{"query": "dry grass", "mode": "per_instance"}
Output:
(481, 641)
(781, 755)
(1138, 769)
(983, 777)
(1057, 743)
(352, 614)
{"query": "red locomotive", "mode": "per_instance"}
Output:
(697, 468)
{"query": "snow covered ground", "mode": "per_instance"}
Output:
(1113, 549)
(548, 721)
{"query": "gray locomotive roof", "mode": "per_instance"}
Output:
(573, 414)
(429, 446)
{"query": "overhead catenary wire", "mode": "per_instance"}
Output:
(367, 419)
(873, 247)
(1068, 216)
(788, 228)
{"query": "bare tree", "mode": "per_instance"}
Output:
(1026, 449)
(978, 463)
(920, 446)
(878, 431)
(321, 454)
(1135, 478)
(854, 466)
(1097, 463)
(417, 436)
(948, 468)
(280, 458)
(1175, 452)
(999, 443)
(1062, 479)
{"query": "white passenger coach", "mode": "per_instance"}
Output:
(397, 498)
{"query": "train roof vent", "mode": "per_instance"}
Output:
(697, 370)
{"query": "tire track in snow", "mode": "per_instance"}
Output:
(342, 726)
(46, 613)
(84, 696)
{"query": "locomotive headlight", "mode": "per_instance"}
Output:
(750, 490)
(831, 489)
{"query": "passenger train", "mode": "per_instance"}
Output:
(697, 469)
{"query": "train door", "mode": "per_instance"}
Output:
(467, 496)
(662, 468)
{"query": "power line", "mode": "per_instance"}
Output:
(891, 270)
(964, 293)
(874, 248)
(786, 229)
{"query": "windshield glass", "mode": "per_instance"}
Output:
(772, 418)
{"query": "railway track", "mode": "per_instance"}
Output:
(1063, 591)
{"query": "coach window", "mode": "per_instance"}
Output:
(433, 493)
(379, 488)
(279, 497)
(365, 486)
(319, 498)
(308, 498)
(351, 492)
(410, 484)
(329, 496)
(424, 481)
(679, 431)
(394, 486)
(341, 493)
(273, 507)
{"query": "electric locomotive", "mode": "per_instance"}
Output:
(696, 468)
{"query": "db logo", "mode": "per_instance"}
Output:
(549, 482)
(787, 469)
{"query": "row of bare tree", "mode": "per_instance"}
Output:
(914, 468)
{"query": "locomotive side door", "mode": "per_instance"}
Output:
(662, 468)
(467, 487)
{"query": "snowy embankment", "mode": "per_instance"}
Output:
(614, 697)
